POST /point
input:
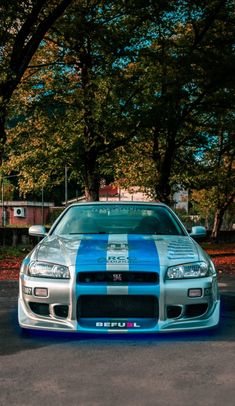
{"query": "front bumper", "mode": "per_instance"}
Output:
(118, 308)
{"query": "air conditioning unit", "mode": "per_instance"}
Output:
(19, 212)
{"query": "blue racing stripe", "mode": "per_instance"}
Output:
(143, 253)
(92, 252)
(143, 256)
(91, 256)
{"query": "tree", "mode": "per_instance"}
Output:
(189, 69)
(215, 177)
(23, 27)
(89, 79)
(118, 76)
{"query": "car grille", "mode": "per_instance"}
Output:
(118, 277)
(117, 306)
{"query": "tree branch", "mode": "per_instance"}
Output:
(22, 54)
(209, 20)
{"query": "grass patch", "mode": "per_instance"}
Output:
(19, 251)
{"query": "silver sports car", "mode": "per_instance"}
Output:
(118, 267)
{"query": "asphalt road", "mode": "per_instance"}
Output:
(174, 369)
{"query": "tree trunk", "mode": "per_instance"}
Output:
(164, 166)
(218, 220)
(92, 190)
(91, 177)
(2, 132)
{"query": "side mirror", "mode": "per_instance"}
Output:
(37, 231)
(198, 232)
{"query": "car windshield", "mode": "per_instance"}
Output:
(118, 219)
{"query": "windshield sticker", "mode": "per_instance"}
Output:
(117, 246)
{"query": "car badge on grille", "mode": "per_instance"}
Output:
(117, 277)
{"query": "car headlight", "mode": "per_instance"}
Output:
(48, 270)
(192, 270)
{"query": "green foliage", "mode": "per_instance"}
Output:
(12, 252)
(76, 111)
(129, 90)
(7, 189)
(23, 27)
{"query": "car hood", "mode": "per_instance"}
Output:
(97, 252)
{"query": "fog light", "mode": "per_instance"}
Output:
(195, 292)
(27, 290)
(42, 292)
